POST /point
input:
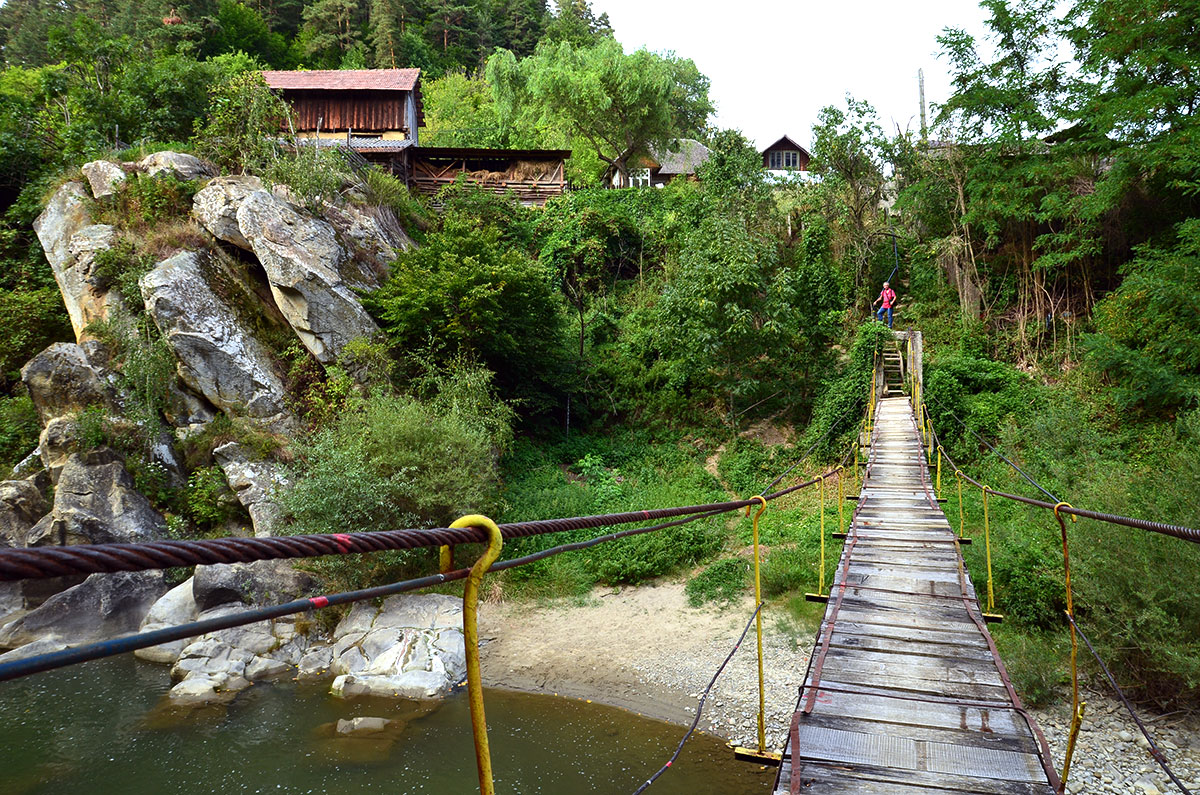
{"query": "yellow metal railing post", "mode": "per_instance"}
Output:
(483, 757)
(958, 476)
(939, 472)
(987, 542)
(445, 558)
(762, 697)
(841, 499)
(1077, 706)
(821, 574)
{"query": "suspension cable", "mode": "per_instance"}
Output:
(1155, 751)
(700, 707)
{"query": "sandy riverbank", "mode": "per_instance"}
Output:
(647, 650)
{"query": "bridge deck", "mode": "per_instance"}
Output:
(905, 693)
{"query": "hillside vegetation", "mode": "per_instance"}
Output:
(595, 355)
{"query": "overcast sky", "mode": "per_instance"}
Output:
(775, 63)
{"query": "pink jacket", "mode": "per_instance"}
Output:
(887, 296)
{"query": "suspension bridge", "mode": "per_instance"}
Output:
(905, 692)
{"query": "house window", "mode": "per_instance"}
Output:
(639, 178)
(783, 161)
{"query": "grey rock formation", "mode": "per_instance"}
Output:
(256, 484)
(260, 582)
(96, 503)
(215, 206)
(63, 380)
(181, 165)
(103, 176)
(21, 506)
(218, 355)
(67, 212)
(302, 260)
(373, 236)
(175, 607)
(213, 668)
(57, 442)
(102, 606)
(410, 647)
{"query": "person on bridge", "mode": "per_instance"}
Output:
(888, 297)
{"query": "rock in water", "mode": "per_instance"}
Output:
(175, 607)
(411, 647)
(219, 355)
(260, 582)
(102, 606)
(302, 260)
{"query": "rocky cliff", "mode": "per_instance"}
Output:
(251, 272)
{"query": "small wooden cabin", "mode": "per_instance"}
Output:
(373, 110)
(785, 155)
(534, 175)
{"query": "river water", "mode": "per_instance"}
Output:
(100, 728)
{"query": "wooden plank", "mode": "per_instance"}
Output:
(909, 712)
(820, 778)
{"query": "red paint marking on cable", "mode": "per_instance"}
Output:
(343, 542)
(319, 601)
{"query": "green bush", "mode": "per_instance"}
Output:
(723, 581)
(210, 503)
(19, 429)
(29, 321)
(120, 268)
(747, 465)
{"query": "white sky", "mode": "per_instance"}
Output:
(775, 63)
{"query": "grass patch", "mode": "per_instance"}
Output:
(722, 582)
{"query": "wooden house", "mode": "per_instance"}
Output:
(785, 155)
(376, 112)
(679, 160)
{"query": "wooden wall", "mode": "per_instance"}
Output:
(361, 111)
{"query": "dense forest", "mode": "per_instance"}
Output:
(595, 354)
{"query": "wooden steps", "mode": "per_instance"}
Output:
(905, 694)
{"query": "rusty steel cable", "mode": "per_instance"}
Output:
(43, 562)
(1175, 531)
(700, 707)
(128, 643)
(1154, 750)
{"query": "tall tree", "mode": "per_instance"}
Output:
(621, 104)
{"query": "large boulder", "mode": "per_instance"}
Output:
(62, 380)
(177, 606)
(58, 441)
(180, 165)
(260, 582)
(102, 606)
(256, 484)
(103, 176)
(67, 213)
(409, 647)
(302, 259)
(218, 355)
(216, 205)
(21, 506)
(96, 503)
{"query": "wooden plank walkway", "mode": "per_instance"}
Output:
(905, 692)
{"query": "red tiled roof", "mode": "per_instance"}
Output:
(345, 79)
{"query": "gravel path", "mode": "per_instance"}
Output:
(647, 650)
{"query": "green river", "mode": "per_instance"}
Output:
(100, 728)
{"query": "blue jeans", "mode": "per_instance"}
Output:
(883, 309)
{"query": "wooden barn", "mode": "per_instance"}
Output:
(533, 175)
(375, 111)
(785, 155)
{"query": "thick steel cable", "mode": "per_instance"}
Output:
(43, 562)
(1155, 751)
(1173, 530)
(700, 707)
(109, 648)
